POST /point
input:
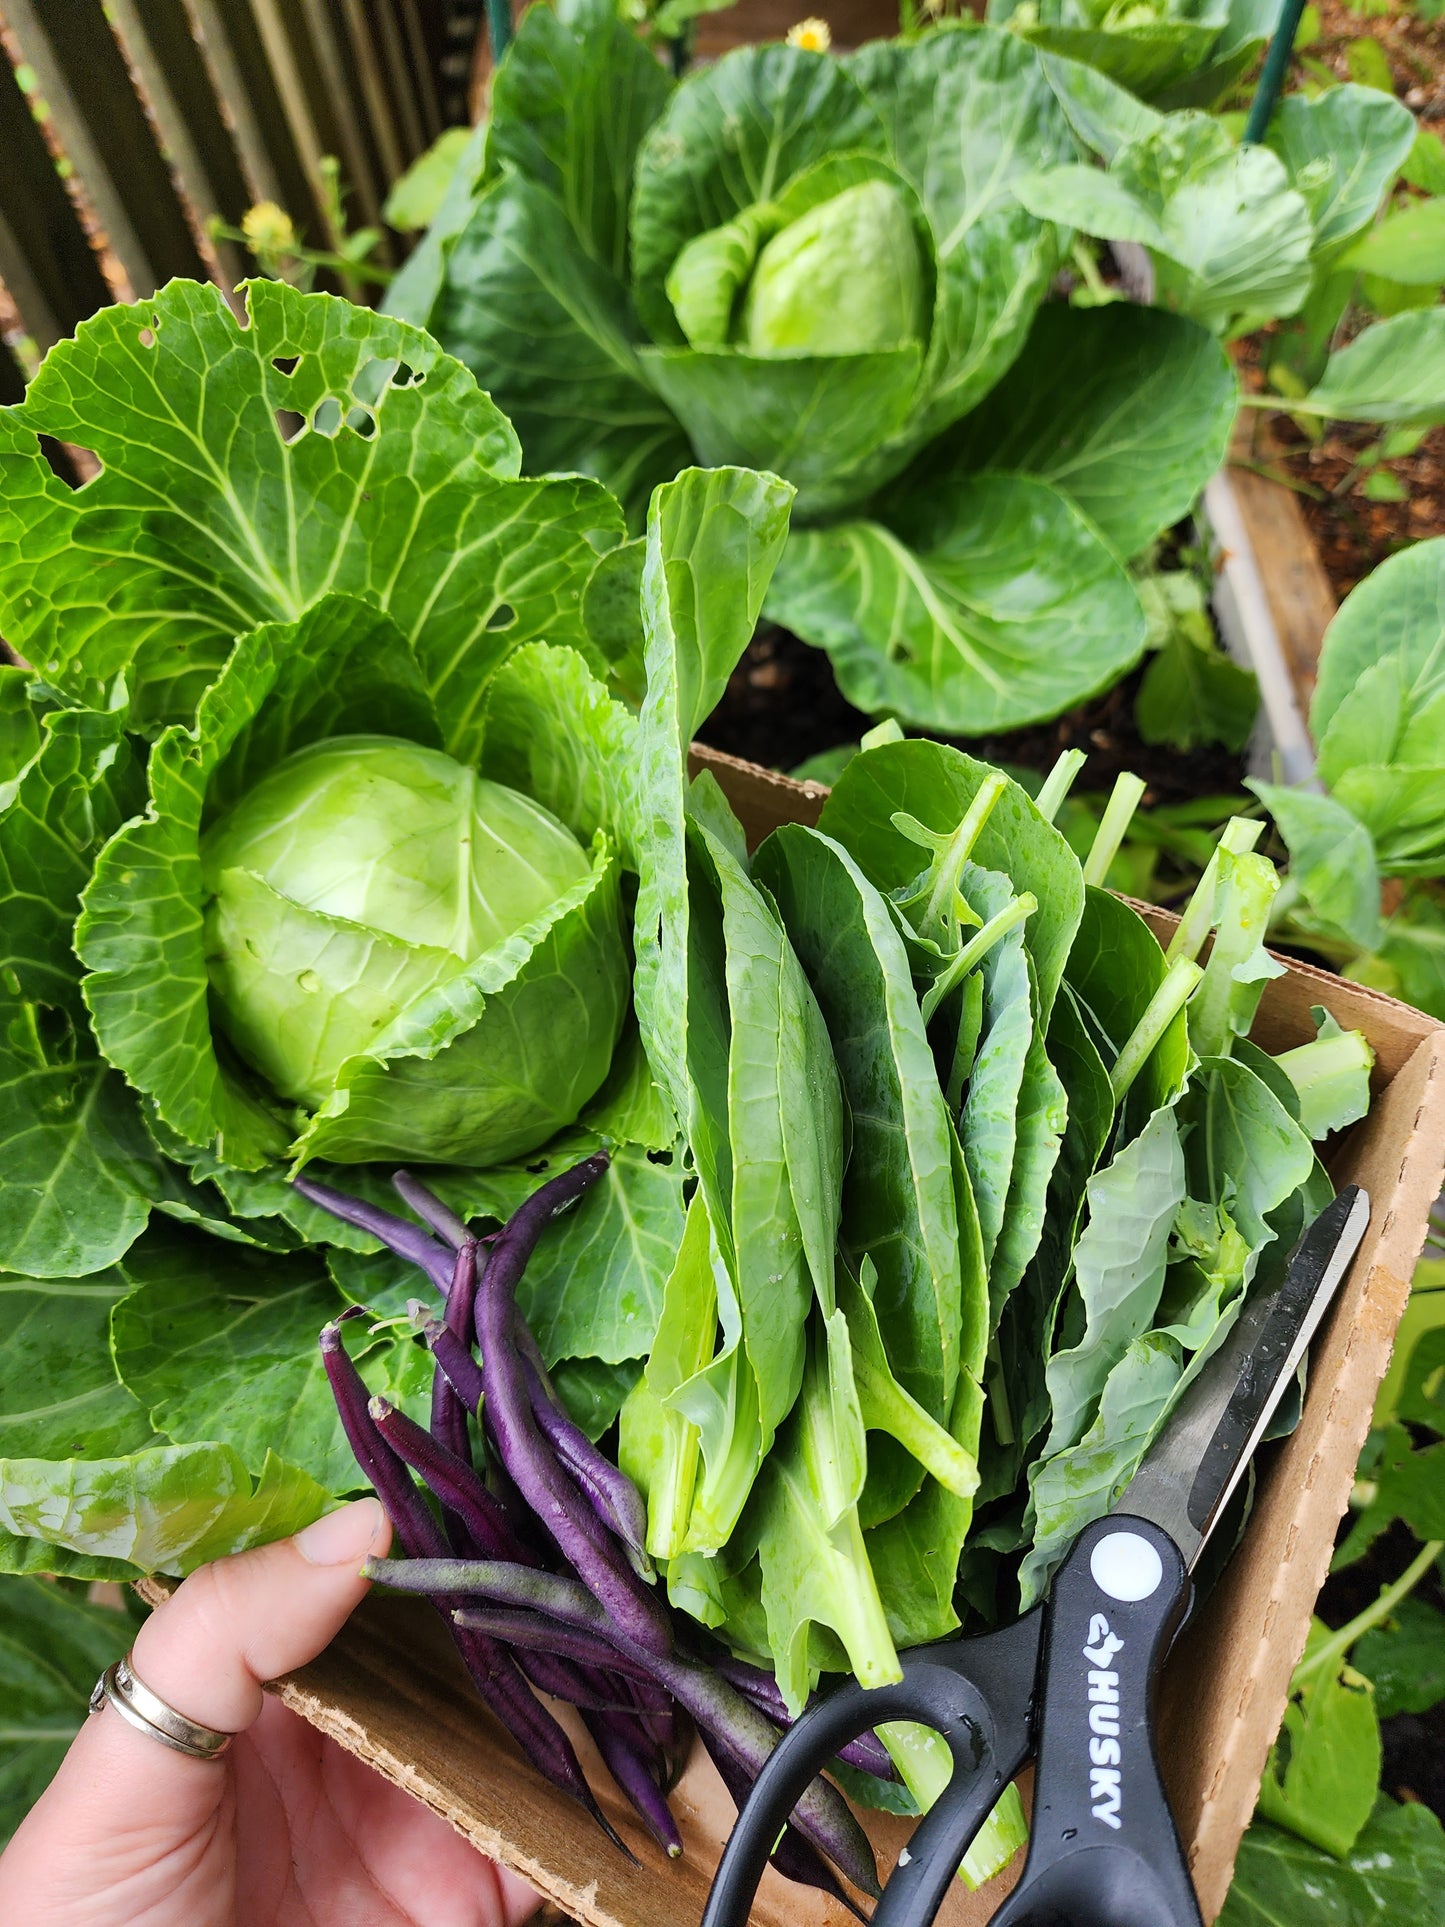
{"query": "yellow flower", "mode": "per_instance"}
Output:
(812, 35)
(268, 229)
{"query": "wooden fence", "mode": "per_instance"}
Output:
(127, 126)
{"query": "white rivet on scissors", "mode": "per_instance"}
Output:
(1126, 1566)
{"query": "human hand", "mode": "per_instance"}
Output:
(287, 1829)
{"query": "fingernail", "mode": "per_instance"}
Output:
(348, 1533)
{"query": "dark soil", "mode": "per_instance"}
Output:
(1353, 534)
(782, 706)
(1414, 1766)
(1415, 49)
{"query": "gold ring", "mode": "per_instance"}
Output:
(148, 1713)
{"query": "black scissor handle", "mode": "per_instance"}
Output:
(1103, 1848)
(982, 1713)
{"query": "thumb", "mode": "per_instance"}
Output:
(253, 1617)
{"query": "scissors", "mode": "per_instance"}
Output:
(1071, 1683)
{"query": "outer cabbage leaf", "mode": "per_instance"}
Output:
(206, 520)
(553, 732)
(75, 1161)
(818, 419)
(19, 727)
(1103, 115)
(412, 291)
(570, 105)
(168, 1508)
(594, 1287)
(969, 114)
(549, 330)
(1343, 151)
(971, 609)
(1146, 56)
(1125, 410)
(219, 1345)
(60, 1394)
(1249, 24)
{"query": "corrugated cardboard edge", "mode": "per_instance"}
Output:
(390, 1690)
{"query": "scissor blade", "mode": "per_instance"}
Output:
(1193, 1467)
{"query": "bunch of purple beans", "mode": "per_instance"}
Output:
(538, 1559)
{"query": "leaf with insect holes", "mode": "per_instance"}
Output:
(397, 484)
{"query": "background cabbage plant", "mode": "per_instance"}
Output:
(1176, 53)
(822, 267)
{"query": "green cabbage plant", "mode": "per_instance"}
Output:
(821, 267)
(270, 896)
(1238, 234)
(1176, 53)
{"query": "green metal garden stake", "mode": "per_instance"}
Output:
(1276, 65)
(499, 26)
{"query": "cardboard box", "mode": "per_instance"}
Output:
(391, 1690)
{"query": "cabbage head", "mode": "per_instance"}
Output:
(823, 267)
(330, 937)
(843, 278)
(362, 874)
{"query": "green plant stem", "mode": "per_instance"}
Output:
(960, 848)
(1168, 1000)
(1327, 1656)
(1058, 783)
(977, 946)
(1239, 836)
(1118, 815)
(1089, 271)
(1285, 481)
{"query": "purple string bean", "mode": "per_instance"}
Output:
(400, 1235)
(493, 1671)
(430, 1209)
(544, 1483)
